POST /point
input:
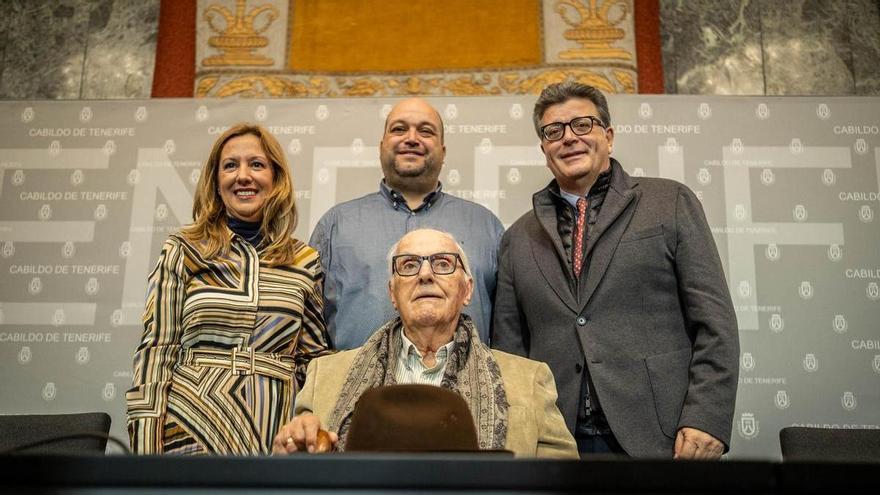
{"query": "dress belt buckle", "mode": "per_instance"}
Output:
(248, 370)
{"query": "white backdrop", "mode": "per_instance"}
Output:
(89, 190)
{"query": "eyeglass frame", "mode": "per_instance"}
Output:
(428, 258)
(593, 121)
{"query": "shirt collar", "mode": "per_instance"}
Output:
(601, 185)
(398, 201)
(410, 349)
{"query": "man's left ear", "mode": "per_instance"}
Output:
(609, 133)
(470, 291)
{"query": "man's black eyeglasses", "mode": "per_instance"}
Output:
(580, 126)
(408, 265)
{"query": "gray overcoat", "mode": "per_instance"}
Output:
(651, 316)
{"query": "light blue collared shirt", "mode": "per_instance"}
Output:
(354, 237)
(572, 199)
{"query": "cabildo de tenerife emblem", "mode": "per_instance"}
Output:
(295, 146)
(861, 146)
(109, 392)
(357, 146)
(781, 399)
(18, 177)
(49, 391)
(839, 324)
(736, 146)
(772, 252)
(322, 112)
(704, 111)
(486, 146)
(704, 177)
(873, 291)
(24, 355)
(453, 177)
(27, 114)
(261, 113)
(805, 290)
(876, 363)
(811, 364)
(866, 214)
(83, 355)
(777, 324)
(762, 111)
(748, 426)
(85, 114)
(77, 177)
(835, 253)
(451, 111)
(513, 175)
(516, 111)
(748, 361)
(645, 111)
(828, 177)
(68, 250)
(848, 401)
(140, 114)
(8, 249)
(202, 113)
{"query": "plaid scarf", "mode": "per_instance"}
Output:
(471, 371)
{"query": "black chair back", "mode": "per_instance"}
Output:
(80, 433)
(829, 444)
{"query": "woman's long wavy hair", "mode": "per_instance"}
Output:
(209, 229)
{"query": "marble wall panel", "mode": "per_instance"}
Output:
(120, 49)
(718, 47)
(44, 50)
(4, 22)
(667, 44)
(864, 26)
(807, 47)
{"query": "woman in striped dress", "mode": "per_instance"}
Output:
(233, 312)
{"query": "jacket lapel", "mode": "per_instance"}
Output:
(614, 216)
(548, 251)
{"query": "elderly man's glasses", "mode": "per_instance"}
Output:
(408, 265)
(580, 126)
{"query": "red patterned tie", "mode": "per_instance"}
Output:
(580, 225)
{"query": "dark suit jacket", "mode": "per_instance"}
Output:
(651, 315)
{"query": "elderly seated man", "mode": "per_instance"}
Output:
(512, 399)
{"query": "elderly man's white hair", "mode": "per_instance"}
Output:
(464, 258)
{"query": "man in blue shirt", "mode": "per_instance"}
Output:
(354, 237)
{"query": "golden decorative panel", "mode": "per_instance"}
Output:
(402, 35)
(336, 48)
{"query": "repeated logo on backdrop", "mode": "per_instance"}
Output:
(88, 193)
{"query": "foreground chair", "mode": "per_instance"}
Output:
(82, 433)
(829, 444)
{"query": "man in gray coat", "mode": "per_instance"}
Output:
(616, 283)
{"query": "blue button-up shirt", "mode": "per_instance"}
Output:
(354, 238)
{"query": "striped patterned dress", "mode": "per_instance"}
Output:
(225, 347)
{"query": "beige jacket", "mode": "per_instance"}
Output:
(535, 425)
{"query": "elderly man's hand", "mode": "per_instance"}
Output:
(694, 444)
(301, 434)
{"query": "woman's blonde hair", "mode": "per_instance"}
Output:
(209, 228)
